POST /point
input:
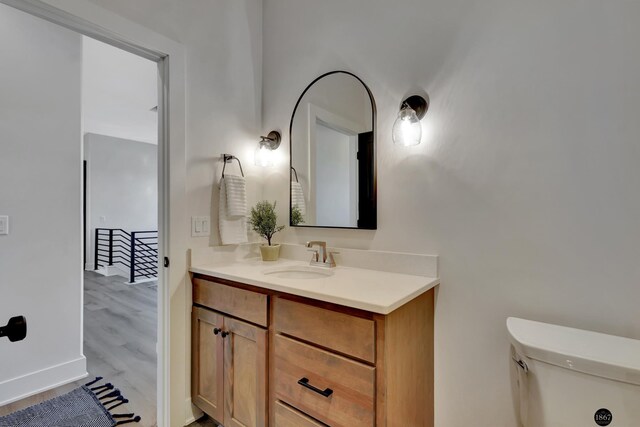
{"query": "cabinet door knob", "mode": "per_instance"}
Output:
(216, 331)
(225, 334)
(304, 382)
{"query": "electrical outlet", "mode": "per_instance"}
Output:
(200, 226)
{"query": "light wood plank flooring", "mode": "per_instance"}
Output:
(119, 343)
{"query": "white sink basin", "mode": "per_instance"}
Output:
(298, 272)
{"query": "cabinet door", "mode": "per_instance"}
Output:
(245, 375)
(207, 382)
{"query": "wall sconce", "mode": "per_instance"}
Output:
(264, 155)
(407, 129)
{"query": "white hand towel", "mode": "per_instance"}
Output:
(235, 187)
(297, 197)
(233, 229)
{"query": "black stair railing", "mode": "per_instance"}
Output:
(136, 251)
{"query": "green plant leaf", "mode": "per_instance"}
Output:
(296, 216)
(263, 220)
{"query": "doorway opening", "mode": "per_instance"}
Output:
(120, 157)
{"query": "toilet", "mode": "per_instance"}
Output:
(567, 377)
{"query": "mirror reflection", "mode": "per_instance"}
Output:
(333, 154)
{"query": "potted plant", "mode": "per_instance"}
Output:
(296, 216)
(263, 221)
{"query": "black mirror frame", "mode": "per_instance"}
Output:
(372, 200)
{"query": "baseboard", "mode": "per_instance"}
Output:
(139, 281)
(193, 413)
(46, 379)
(112, 270)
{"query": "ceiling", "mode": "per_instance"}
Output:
(119, 89)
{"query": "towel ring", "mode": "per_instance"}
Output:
(227, 158)
(294, 171)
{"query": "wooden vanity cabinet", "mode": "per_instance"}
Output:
(229, 361)
(328, 365)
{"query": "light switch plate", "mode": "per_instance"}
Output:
(200, 226)
(4, 225)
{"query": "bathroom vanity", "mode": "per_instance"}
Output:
(286, 345)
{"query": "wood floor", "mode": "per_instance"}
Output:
(119, 343)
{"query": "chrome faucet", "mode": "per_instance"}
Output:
(321, 257)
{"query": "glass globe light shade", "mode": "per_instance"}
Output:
(263, 156)
(407, 129)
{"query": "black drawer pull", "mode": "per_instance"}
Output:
(304, 382)
(216, 331)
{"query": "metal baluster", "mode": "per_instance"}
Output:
(110, 246)
(95, 243)
(132, 271)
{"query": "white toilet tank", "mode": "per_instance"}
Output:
(573, 378)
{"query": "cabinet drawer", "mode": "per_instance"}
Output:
(285, 416)
(350, 335)
(240, 303)
(350, 400)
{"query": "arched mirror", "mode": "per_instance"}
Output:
(333, 165)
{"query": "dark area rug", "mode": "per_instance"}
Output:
(83, 407)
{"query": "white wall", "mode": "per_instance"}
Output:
(119, 89)
(40, 172)
(526, 183)
(223, 46)
(122, 186)
(224, 76)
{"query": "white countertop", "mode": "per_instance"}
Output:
(376, 291)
